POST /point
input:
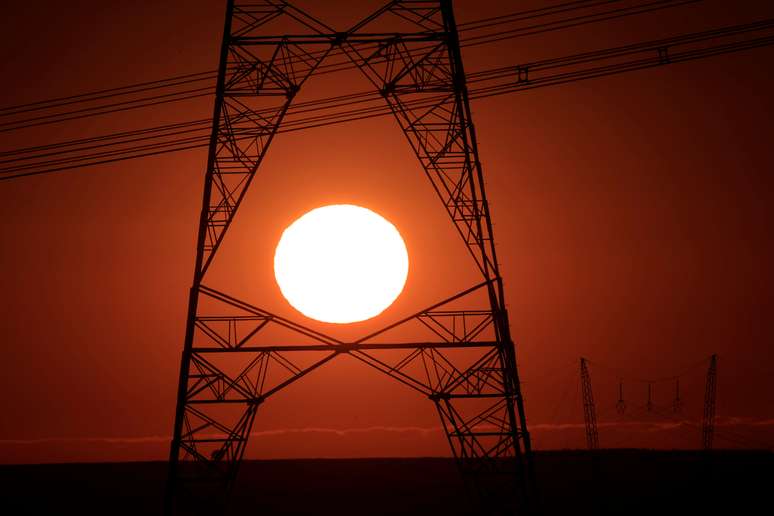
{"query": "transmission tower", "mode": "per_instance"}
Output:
(620, 405)
(677, 403)
(410, 53)
(649, 403)
(589, 410)
(708, 423)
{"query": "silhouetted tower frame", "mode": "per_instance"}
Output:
(677, 403)
(649, 403)
(620, 405)
(589, 408)
(710, 394)
(480, 404)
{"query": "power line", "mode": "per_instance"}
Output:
(578, 21)
(682, 371)
(323, 69)
(211, 74)
(106, 137)
(494, 82)
(108, 93)
(100, 110)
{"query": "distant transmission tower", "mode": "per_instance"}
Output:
(620, 405)
(649, 403)
(710, 391)
(410, 53)
(589, 410)
(677, 403)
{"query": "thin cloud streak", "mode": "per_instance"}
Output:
(342, 432)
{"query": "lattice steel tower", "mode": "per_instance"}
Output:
(410, 53)
(589, 409)
(710, 395)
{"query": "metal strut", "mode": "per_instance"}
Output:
(467, 367)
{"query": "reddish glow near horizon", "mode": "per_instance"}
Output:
(341, 264)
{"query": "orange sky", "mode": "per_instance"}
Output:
(632, 216)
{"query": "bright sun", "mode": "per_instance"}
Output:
(341, 264)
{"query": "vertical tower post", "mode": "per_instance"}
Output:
(710, 391)
(589, 409)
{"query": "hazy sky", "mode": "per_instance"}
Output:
(632, 216)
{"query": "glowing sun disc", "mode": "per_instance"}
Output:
(341, 264)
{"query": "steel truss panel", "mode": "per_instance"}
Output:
(467, 368)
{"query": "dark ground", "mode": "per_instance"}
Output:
(622, 482)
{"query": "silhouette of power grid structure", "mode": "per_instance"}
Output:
(590, 410)
(410, 53)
